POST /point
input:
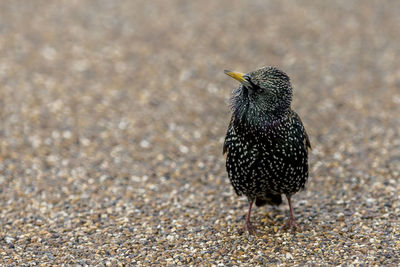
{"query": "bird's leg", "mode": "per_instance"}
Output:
(291, 223)
(248, 226)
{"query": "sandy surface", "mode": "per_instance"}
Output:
(113, 114)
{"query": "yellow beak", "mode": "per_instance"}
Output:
(236, 75)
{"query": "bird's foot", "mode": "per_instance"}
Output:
(249, 228)
(292, 225)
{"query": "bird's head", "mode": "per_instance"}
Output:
(264, 94)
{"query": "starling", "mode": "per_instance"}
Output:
(266, 143)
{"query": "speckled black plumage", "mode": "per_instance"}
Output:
(266, 143)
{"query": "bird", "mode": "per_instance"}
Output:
(266, 144)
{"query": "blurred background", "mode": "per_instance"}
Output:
(113, 115)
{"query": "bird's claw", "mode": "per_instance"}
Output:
(292, 225)
(250, 229)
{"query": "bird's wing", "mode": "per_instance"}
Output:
(301, 130)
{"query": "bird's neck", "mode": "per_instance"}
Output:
(259, 120)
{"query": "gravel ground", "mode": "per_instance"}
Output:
(113, 116)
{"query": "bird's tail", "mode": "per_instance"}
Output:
(269, 198)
